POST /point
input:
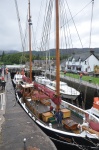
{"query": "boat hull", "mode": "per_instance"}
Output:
(61, 140)
(46, 82)
(72, 97)
(66, 96)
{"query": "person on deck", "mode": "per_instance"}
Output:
(6, 72)
(59, 117)
(80, 76)
(3, 83)
(52, 109)
(64, 73)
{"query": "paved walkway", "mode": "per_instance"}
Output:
(18, 131)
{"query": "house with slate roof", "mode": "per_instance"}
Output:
(84, 62)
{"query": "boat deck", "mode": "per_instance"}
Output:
(41, 110)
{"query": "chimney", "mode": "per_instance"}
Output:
(92, 52)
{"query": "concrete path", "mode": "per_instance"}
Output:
(18, 131)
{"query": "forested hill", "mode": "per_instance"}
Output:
(52, 51)
(73, 50)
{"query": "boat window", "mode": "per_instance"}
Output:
(63, 84)
(51, 84)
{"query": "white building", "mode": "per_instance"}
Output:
(82, 62)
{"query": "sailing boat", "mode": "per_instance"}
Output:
(77, 130)
(66, 91)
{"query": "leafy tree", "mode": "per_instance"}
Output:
(2, 56)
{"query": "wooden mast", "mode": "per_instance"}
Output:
(30, 51)
(57, 53)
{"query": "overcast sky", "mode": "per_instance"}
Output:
(9, 29)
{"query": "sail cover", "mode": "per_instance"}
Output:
(26, 79)
(56, 99)
(51, 94)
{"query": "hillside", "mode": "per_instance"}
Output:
(8, 51)
(52, 51)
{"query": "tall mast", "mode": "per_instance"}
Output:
(30, 51)
(57, 53)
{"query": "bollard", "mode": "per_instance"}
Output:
(84, 120)
(50, 125)
(24, 141)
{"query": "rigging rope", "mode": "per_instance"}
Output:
(91, 24)
(79, 12)
(23, 41)
(42, 40)
(18, 17)
(47, 26)
(74, 24)
(36, 31)
(64, 19)
(72, 18)
(66, 30)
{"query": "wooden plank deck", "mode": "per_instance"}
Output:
(38, 109)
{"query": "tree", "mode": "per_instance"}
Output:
(2, 56)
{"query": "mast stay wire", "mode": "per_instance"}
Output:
(41, 46)
(48, 33)
(48, 36)
(23, 41)
(36, 30)
(67, 29)
(45, 36)
(46, 26)
(74, 23)
(71, 18)
(20, 28)
(91, 24)
(23, 37)
(49, 24)
(90, 36)
(64, 32)
(62, 18)
(79, 12)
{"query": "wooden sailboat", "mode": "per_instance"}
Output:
(37, 100)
